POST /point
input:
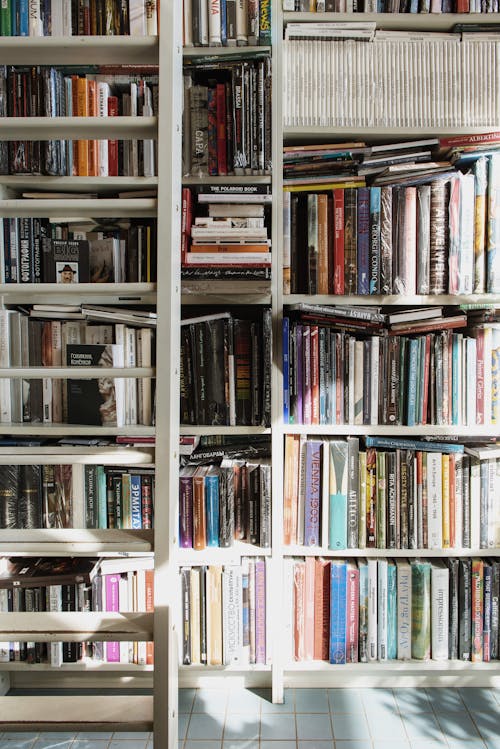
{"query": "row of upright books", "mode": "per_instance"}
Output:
(76, 496)
(227, 117)
(78, 17)
(82, 585)
(226, 368)
(225, 614)
(38, 250)
(391, 6)
(369, 610)
(101, 91)
(227, 23)
(219, 504)
(28, 341)
(390, 493)
(433, 369)
(375, 83)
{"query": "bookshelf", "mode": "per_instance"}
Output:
(105, 712)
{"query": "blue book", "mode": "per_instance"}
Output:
(412, 382)
(338, 611)
(392, 612)
(363, 240)
(286, 370)
(102, 500)
(375, 205)
(223, 22)
(337, 522)
(24, 27)
(136, 500)
(212, 506)
(403, 443)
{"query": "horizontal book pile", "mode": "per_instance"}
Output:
(390, 493)
(347, 365)
(70, 18)
(219, 504)
(423, 226)
(370, 610)
(224, 614)
(60, 584)
(227, 23)
(27, 341)
(391, 6)
(99, 91)
(227, 117)
(226, 368)
(374, 84)
(225, 239)
(37, 250)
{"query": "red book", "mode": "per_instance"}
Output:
(221, 129)
(352, 613)
(212, 131)
(321, 609)
(425, 391)
(314, 333)
(113, 144)
(186, 221)
(480, 415)
(323, 244)
(338, 249)
(92, 144)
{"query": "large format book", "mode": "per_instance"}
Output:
(101, 401)
(65, 261)
(40, 571)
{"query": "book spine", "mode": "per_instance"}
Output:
(338, 590)
(232, 615)
(477, 603)
(363, 240)
(404, 607)
(439, 613)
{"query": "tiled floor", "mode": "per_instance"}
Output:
(466, 718)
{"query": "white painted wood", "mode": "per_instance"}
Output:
(75, 626)
(308, 551)
(77, 127)
(384, 430)
(78, 373)
(417, 21)
(29, 183)
(77, 713)
(82, 430)
(75, 541)
(90, 293)
(109, 455)
(223, 430)
(79, 207)
(373, 134)
(394, 299)
(79, 50)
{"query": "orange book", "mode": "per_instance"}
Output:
(321, 609)
(199, 514)
(291, 487)
(82, 110)
(93, 145)
(229, 247)
(322, 243)
(309, 609)
(299, 575)
(150, 607)
(477, 610)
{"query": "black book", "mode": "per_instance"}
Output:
(187, 400)
(243, 368)
(69, 649)
(464, 610)
(226, 506)
(9, 492)
(267, 358)
(265, 505)
(27, 572)
(216, 347)
(203, 615)
(91, 497)
(453, 567)
(30, 497)
(100, 401)
(65, 261)
(495, 610)
(253, 533)
(186, 615)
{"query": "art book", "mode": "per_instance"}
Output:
(96, 401)
(66, 261)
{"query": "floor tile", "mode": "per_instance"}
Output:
(376, 699)
(350, 727)
(386, 726)
(425, 744)
(210, 701)
(277, 727)
(186, 699)
(316, 744)
(422, 725)
(466, 744)
(54, 743)
(244, 701)
(278, 745)
(311, 701)
(313, 726)
(459, 726)
(353, 745)
(58, 735)
(88, 744)
(17, 743)
(131, 735)
(445, 700)
(11, 735)
(183, 724)
(94, 735)
(478, 700)
(412, 701)
(268, 706)
(487, 725)
(242, 726)
(235, 744)
(492, 743)
(385, 744)
(203, 726)
(127, 744)
(345, 701)
(202, 744)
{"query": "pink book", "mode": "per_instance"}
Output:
(260, 611)
(352, 637)
(309, 609)
(112, 604)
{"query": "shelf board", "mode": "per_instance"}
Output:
(79, 209)
(320, 551)
(75, 541)
(394, 299)
(211, 555)
(66, 128)
(208, 53)
(82, 666)
(39, 183)
(76, 626)
(76, 373)
(407, 667)
(99, 712)
(75, 430)
(73, 50)
(84, 455)
(57, 293)
(395, 432)
(375, 134)
(235, 669)
(256, 179)
(230, 298)
(194, 430)
(397, 21)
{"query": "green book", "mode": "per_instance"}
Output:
(420, 610)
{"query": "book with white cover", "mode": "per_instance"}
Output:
(440, 575)
(372, 610)
(404, 609)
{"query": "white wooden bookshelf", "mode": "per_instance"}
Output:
(78, 127)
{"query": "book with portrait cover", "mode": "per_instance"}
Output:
(65, 261)
(100, 401)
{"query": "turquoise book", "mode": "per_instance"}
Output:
(338, 611)
(337, 521)
(392, 612)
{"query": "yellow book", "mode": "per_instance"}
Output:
(324, 186)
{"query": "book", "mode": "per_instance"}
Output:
(28, 572)
(99, 401)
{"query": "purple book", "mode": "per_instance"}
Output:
(312, 508)
(186, 507)
(298, 385)
(112, 604)
(260, 611)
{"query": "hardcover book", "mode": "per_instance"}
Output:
(101, 401)
(65, 261)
